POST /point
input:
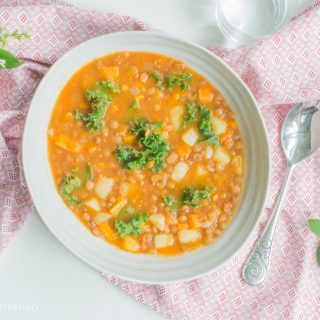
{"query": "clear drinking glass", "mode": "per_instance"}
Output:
(245, 21)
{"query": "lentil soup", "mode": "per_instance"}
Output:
(146, 153)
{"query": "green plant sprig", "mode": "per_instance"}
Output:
(7, 59)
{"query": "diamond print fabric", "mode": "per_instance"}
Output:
(280, 71)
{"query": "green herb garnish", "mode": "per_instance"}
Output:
(134, 105)
(100, 99)
(191, 114)
(182, 81)
(170, 202)
(71, 183)
(158, 78)
(130, 157)
(142, 125)
(154, 147)
(133, 227)
(191, 196)
(205, 126)
(314, 226)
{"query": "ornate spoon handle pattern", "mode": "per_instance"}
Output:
(256, 268)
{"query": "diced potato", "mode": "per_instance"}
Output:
(92, 203)
(188, 236)
(201, 171)
(103, 186)
(220, 155)
(219, 126)
(163, 240)
(205, 95)
(117, 207)
(65, 142)
(208, 152)
(237, 165)
(107, 231)
(131, 244)
(158, 220)
(110, 73)
(102, 217)
(177, 114)
(179, 171)
(190, 136)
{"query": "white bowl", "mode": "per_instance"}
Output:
(63, 223)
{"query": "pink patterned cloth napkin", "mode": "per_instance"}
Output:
(280, 71)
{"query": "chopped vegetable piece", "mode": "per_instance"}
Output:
(158, 78)
(201, 171)
(188, 236)
(205, 95)
(182, 81)
(132, 227)
(117, 207)
(171, 219)
(100, 99)
(205, 126)
(107, 231)
(89, 171)
(179, 171)
(195, 220)
(134, 105)
(191, 196)
(176, 114)
(102, 217)
(110, 73)
(219, 126)
(129, 138)
(93, 204)
(155, 147)
(126, 214)
(65, 142)
(209, 152)
(190, 136)
(191, 114)
(237, 165)
(131, 244)
(158, 220)
(163, 240)
(169, 201)
(103, 186)
(220, 155)
(71, 183)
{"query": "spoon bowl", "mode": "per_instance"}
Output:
(301, 132)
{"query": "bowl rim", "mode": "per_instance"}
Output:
(186, 43)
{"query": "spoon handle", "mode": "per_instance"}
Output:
(256, 268)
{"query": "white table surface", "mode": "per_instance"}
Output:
(36, 271)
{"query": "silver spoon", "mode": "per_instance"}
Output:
(300, 137)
